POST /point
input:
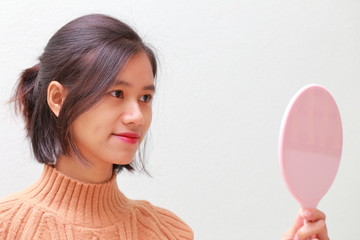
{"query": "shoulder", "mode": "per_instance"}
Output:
(159, 222)
(10, 208)
(8, 204)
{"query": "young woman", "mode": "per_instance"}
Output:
(87, 108)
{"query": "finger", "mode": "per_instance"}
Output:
(323, 235)
(313, 237)
(312, 214)
(317, 228)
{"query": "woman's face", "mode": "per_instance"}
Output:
(112, 130)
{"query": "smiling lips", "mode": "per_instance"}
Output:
(128, 137)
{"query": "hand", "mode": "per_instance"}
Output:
(309, 224)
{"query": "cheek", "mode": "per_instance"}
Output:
(91, 127)
(82, 131)
(148, 118)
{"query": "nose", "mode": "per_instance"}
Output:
(133, 114)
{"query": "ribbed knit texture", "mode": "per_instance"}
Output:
(59, 207)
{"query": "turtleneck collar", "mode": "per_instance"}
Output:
(90, 204)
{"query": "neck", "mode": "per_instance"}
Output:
(89, 173)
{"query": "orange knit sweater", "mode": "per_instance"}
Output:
(59, 207)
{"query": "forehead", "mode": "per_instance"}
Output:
(136, 71)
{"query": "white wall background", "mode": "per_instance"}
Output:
(228, 70)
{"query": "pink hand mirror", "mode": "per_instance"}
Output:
(310, 144)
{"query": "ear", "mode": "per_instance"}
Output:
(56, 94)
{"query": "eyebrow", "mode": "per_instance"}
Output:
(127, 84)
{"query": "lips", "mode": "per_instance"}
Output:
(128, 137)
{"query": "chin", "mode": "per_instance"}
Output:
(123, 160)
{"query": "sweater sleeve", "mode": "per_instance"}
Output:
(158, 223)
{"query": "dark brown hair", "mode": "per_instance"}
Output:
(85, 56)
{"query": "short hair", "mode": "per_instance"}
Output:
(85, 56)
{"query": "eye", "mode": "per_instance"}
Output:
(146, 98)
(117, 93)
